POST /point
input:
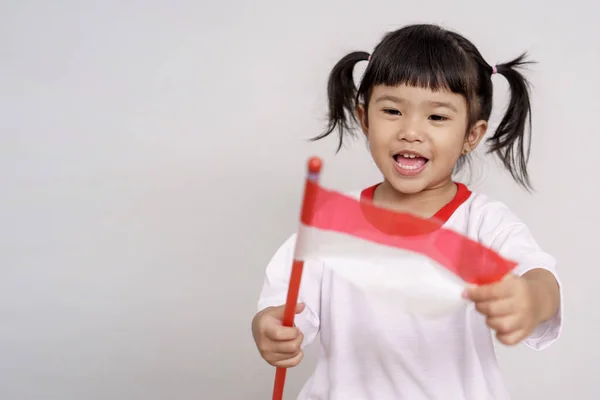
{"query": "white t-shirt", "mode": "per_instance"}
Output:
(378, 353)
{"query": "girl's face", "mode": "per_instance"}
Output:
(416, 135)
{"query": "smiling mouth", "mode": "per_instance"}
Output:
(410, 161)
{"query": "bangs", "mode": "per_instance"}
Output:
(421, 57)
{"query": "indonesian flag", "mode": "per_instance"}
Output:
(413, 264)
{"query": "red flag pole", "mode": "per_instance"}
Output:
(310, 194)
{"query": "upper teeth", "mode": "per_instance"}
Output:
(406, 155)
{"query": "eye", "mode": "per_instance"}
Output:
(391, 111)
(438, 118)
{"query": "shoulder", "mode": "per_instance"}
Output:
(491, 212)
(485, 218)
(492, 223)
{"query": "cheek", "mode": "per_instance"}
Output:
(378, 134)
(448, 146)
(377, 145)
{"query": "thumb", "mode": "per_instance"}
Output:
(278, 311)
(300, 307)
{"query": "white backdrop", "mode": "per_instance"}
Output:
(151, 161)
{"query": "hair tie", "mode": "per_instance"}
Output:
(494, 70)
(369, 58)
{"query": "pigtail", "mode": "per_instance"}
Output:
(509, 139)
(342, 96)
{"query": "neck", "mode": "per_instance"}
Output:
(423, 204)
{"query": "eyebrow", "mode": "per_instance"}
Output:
(445, 104)
(389, 97)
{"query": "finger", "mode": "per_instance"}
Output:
(496, 308)
(512, 338)
(290, 362)
(504, 325)
(289, 347)
(277, 357)
(277, 332)
(280, 350)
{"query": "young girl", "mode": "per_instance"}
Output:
(423, 105)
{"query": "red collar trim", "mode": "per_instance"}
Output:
(442, 216)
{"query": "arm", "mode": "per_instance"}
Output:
(275, 288)
(546, 292)
(537, 268)
(527, 306)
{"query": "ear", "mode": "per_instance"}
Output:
(473, 138)
(361, 112)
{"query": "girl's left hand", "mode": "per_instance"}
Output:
(511, 307)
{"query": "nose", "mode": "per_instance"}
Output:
(410, 131)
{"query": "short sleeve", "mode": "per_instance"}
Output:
(515, 241)
(275, 288)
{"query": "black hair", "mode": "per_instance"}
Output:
(429, 56)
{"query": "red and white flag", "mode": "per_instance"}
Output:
(401, 259)
(410, 262)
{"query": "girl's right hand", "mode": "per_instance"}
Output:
(279, 345)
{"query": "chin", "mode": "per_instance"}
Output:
(408, 186)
